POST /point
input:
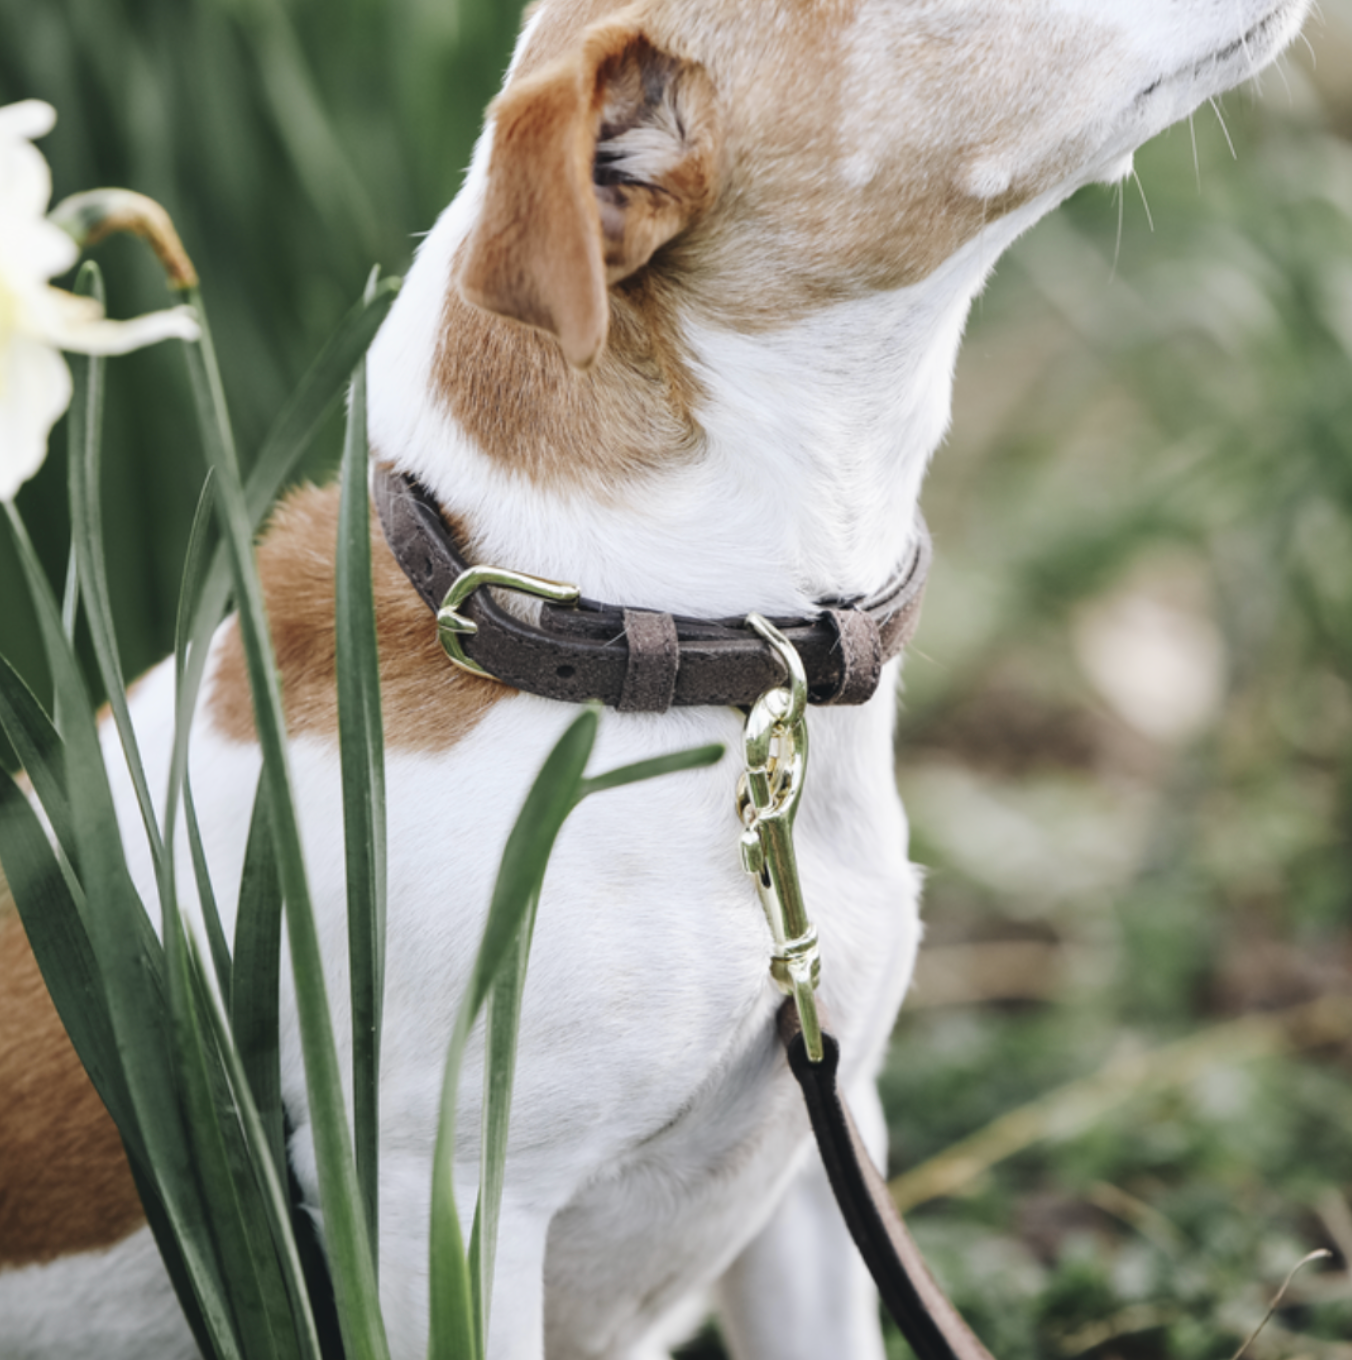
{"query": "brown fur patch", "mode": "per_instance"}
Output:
(513, 392)
(549, 243)
(428, 704)
(65, 1186)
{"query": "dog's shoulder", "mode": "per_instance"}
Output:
(428, 704)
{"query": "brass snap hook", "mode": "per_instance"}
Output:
(776, 747)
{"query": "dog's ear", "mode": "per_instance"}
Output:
(597, 160)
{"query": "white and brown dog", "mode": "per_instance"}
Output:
(744, 236)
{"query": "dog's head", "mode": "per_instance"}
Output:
(792, 153)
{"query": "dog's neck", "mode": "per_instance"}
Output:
(800, 480)
(692, 212)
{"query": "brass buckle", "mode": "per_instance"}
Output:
(452, 625)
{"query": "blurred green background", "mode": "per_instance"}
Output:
(1126, 740)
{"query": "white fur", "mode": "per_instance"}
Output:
(116, 1304)
(658, 1151)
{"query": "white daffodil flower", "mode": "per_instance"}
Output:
(37, 321)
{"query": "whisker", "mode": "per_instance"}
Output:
(1220, 118)
(1244, 38)
(1144, 202)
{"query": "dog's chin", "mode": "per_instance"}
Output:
(1171, 97)
(1230, 64)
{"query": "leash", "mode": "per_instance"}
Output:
(647, 661)
(922, 1311)
(775, 740)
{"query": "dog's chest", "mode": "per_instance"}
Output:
(669, 1098)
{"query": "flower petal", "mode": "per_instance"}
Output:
(35, 388)
(32, 250)
(67, 323)
(25, 181)
(26, 120)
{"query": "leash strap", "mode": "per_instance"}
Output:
(635, 660)
(921, 1310)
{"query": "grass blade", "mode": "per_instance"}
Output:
(66, 959)
(455, 1327)
(268, 1175)
(206, 894)
(500, 1032)
(38, 748)
(362, 752)
(257, 974)
(173, 1173)
(462, 1291)
(93, 819)
(194, 564)
(192, 639)
(189, 591)
(322, 386)
(60, 944)
(694, 759)
(552, 797)
(278, 458)
(70, 596)
(175, 1264)
(203, 1109)
(70, 610)
(86, 515)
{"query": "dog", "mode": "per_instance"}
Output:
(686, 339)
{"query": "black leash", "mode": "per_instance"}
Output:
(921, 1310)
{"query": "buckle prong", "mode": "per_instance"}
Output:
(452, 626)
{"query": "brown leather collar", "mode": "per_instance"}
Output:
(639, 660)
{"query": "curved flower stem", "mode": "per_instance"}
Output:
(89, 217)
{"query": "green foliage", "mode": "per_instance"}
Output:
(293, 142)
(1160, 428)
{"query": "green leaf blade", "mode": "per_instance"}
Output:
(456, 1317)
(85, 423)
(255, 997)
(362, 758)
(36, 743)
